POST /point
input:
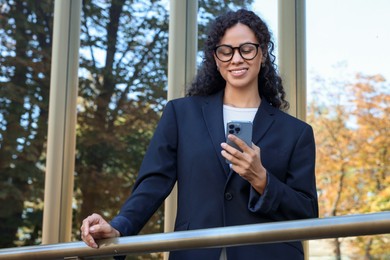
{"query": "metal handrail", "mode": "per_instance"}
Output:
(309, 229)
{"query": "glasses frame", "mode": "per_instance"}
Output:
(236, 48)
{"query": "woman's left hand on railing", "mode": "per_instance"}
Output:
(96, 227)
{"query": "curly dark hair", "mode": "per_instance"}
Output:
(209, 81)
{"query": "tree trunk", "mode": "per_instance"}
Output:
(367, 249)
(337, 248)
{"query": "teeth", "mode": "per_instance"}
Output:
(237, 72)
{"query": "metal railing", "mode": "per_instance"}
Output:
(309, 229)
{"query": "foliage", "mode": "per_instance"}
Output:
(352, 153)
(25, 36)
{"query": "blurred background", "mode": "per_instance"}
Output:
(123, 89)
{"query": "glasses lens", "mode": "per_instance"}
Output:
(224, 53)
(248, 51)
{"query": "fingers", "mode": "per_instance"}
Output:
(90, 221)
(96, 227)
(90, 241)
(232, 154)
(243, 162)
(247, 164)
(244, 147)
(90, 228)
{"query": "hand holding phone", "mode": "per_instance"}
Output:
(241, 129)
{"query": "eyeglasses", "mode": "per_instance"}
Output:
(247, 51)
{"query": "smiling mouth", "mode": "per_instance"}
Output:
(238, 72)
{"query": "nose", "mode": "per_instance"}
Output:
(236, 56)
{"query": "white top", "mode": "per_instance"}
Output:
(238, 114)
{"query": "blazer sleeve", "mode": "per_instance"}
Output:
(296, 198)
(156, 177)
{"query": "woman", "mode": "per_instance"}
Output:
(271, 180)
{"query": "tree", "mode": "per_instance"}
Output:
(25, 37)
(371, 110)
(352, 153)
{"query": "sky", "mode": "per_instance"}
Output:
(351, 36)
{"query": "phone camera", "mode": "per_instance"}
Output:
(237, 129)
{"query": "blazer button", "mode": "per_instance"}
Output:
(228, 196)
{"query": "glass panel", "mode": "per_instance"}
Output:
(348, 102)
(123, 82)
(348, 107)
(25, 49)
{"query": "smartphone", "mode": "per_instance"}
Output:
(242, 129)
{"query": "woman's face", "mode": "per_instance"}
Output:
(242, 70)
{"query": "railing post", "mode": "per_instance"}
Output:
(57, 217)
(292, 53)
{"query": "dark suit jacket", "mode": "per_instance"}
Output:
(186, 148)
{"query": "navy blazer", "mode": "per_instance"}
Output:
(186, 148)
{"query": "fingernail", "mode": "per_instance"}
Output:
(92, 229)
(92, 244)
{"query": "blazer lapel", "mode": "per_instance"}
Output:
(263, 120)
(213, 116)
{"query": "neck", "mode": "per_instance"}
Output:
(241, 99)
